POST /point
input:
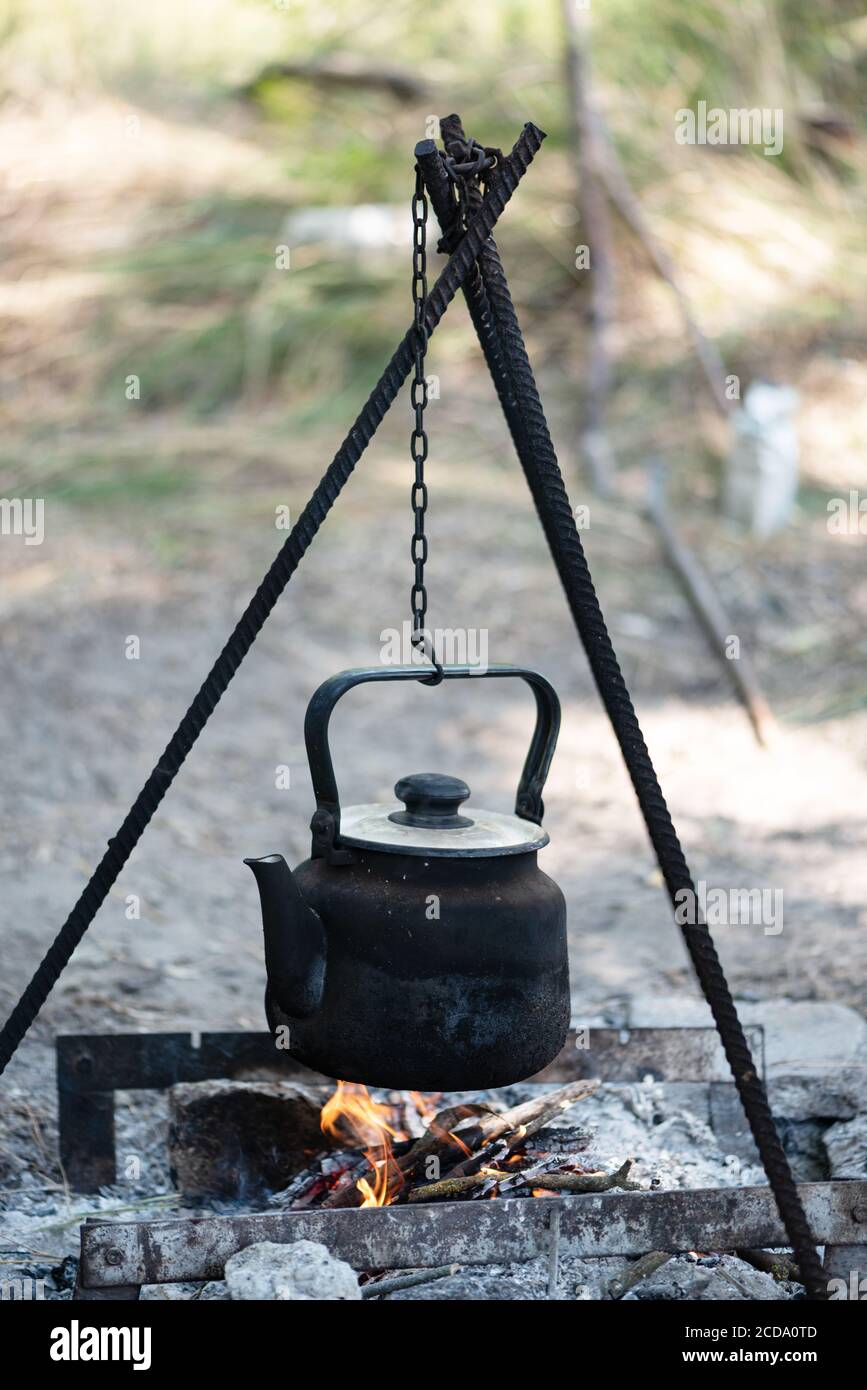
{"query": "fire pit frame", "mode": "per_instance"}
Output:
(91, 1067)
(117, 1258)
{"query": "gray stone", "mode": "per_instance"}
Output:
(846, 1147)
(241, 1138)
(819, 1094)
(816, 1058)
(474, 1285)
(804, 1032)
(725, 1278)
(527, 1282)
(815, 1052)
(168, 1293)
(302, 1272)
(184, 1293)
(803, 1141)
(215, 1290)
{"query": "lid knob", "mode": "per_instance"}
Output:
(431, 800)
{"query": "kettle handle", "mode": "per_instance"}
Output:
(326, 819)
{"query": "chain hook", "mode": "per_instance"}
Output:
(422, 642)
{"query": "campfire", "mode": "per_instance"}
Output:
(353, 1116)
(316, 1153)
(406, 1150)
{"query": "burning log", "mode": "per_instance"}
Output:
(473, 1143)
(351, 1113)
(494, 1137)
(355, 1166)
(439, 1138)
(519, 1123)
(442, 1135)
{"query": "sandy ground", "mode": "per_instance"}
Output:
(81, 726)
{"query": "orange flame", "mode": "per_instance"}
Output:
(426, 1106)
(352, 1117)
(455, 1138)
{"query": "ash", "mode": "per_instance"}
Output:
(670, 1141)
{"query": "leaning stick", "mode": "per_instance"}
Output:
(502, 1145)
(706, 604)
(624, 200)
(408, 1281)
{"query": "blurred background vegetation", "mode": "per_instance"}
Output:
(151, 161)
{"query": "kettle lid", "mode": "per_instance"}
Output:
(430, 822)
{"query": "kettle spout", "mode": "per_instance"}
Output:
(294, 938)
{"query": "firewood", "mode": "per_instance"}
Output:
(534, 1113)
(496, 1152)
(439, 1141)
(488, 1125)
(450, 1187)
(779, 1265)
(517, 1124)
(589, 1182)
(435, 1141)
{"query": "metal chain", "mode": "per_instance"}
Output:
(476, 161)
(418, 443)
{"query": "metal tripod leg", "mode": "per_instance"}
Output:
(493, 314)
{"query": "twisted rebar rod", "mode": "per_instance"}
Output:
(493, 314)
(249, 625)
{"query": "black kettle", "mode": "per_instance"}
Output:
(420, 947)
